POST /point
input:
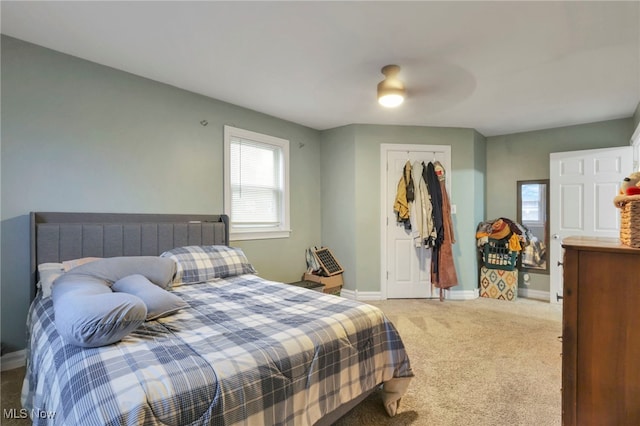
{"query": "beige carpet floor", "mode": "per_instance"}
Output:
(477, 362)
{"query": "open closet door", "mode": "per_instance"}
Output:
(582, 187)
(405, 269)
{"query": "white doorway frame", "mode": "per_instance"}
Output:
(635, 143)
(384, 149)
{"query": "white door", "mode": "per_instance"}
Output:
(406, 269)
(582, 187)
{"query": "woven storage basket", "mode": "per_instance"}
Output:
(630, 223)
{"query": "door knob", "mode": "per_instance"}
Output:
(556, 237)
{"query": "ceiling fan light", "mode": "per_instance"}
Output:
(391, 91)
(390, 100)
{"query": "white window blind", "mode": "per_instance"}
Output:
(256, 183)
(256, 187)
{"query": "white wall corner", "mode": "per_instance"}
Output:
(13, 360)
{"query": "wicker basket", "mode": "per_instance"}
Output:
(630, 223)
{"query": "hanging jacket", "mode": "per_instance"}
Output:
(421, 217)
(401, 204)
(436, 200)
(445, 275)
(433, 183)
(433, 186)
(408, 179)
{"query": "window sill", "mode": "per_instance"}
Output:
(257, 235)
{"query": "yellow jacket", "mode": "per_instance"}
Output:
(401, 204)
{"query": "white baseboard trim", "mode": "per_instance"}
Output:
(376, 295)
(448, 294)
(13, 360)
(461, 294)
(360, 295)
(533, 294)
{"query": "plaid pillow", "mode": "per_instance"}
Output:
(196, 264)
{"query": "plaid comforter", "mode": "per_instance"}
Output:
(247, 352)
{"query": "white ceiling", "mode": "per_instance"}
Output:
(498, 67)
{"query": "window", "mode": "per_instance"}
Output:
(533, 203)
(256, 189)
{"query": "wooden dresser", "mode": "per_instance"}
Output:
(600, 333)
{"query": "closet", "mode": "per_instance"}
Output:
(405, 269)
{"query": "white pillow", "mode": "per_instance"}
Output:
(47, 273)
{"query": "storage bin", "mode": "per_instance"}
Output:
(630, 224)
(497, 255)
(499, 284)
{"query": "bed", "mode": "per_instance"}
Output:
(242, 351)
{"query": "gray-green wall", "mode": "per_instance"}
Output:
(525, 156)
(351, 176)
(78, 136)
(337, 189)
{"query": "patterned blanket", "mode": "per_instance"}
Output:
(246, 352)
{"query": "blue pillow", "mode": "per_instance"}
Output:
(88, 314)
(157, 269)
(159, 302)
(196, 264)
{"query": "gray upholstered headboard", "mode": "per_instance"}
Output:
(56, 237)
